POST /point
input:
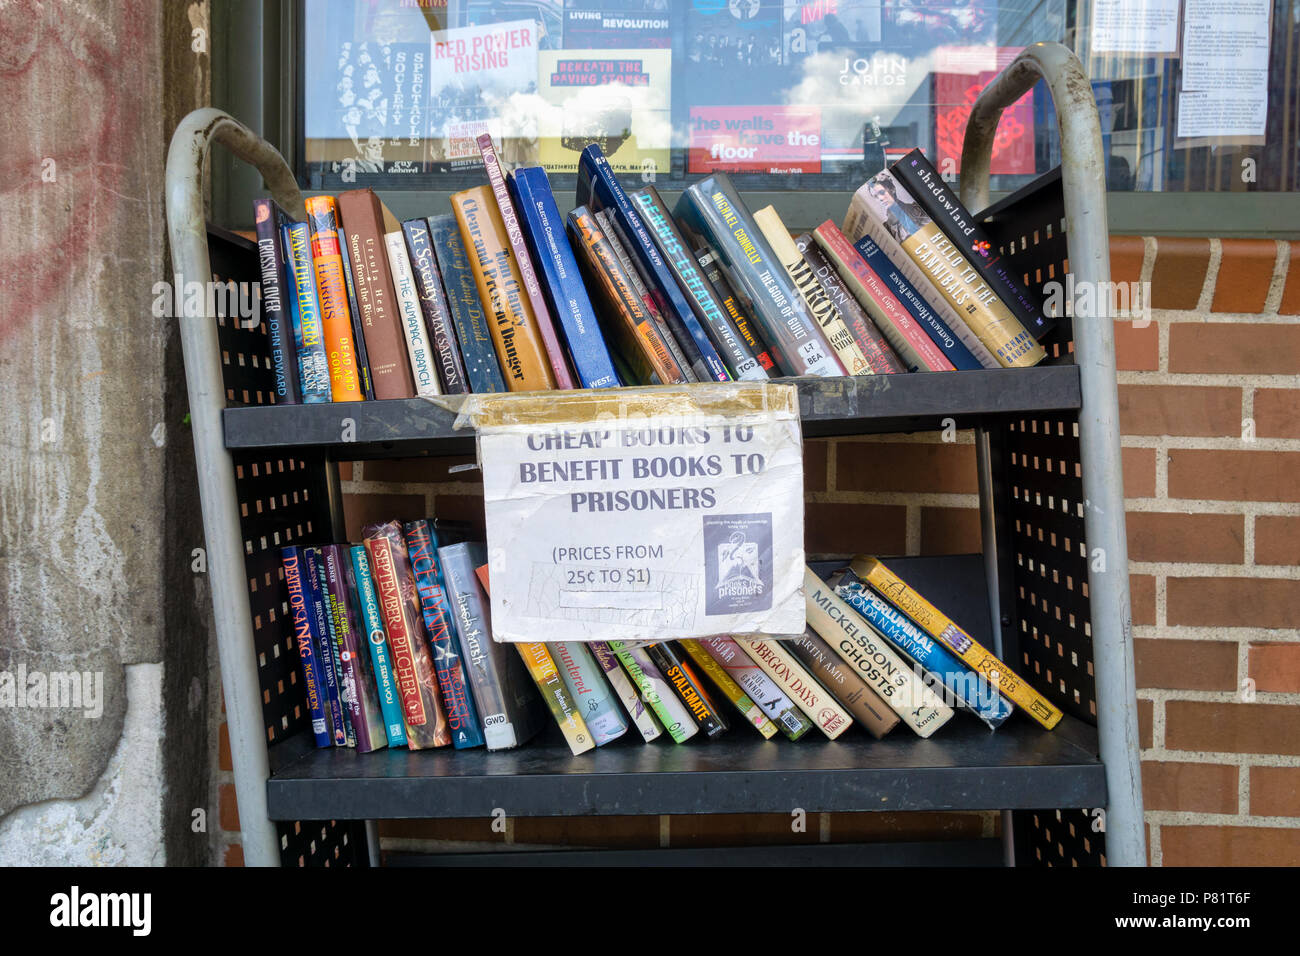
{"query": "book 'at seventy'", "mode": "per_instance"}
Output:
(433, 305)
(390, 703)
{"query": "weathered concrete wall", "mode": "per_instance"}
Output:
(93, 486)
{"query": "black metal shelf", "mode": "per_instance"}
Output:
(862, 405)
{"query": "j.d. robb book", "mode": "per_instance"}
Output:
(800, 686)
(588, 689)
(655, 691)
(765, 692)
(301, 618)
(642, 716)
(729, 688)
(336, 320)
(390, 703)
(268, 219)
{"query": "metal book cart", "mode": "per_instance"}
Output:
(1050, 592)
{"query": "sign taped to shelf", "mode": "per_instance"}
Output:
(643, 514)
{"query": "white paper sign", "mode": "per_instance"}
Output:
(1225, 69)
(1135, 26)
(627, 526)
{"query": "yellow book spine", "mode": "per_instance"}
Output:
(733, 691)
(944, 630)
(541, 666)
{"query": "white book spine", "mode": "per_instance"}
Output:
(800, 686)
(642, 716)
(408, 301)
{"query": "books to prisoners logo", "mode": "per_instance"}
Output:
(737, 563)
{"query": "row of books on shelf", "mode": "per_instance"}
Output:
(395, 647)
(505, 294)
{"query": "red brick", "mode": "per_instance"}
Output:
(227, 808)
(1171, 664)
(1142, 597)
(223, 748)
(1234, 475)
(815, 455)
(1277, 539)
(1252, 728)
(941, 467)
(1179, 410)
(1291, 291)
(1189, 787)
(1126, 256)
(1208, 539)
(854, 528)
(1277, 413)
(1229, 846)
(1233, 347)
(1139, 465)
(1245, 272)
(361, 510)
(1179, 272)
(950, 531)
(345, 471)
(420, 470)
(1137, 348)
(234, 855)
(1275, 666)
(1232, 602)
(1275, 791)
(740, 829)
(1146, 723)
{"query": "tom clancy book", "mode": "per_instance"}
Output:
(301, 618)
(506, 705)
(809, 696)
(765, 692)
(426, 723)
(874, 345)
(598, 189)
(738, 310)
(268, 219)
(589, 691)
(304, 312)
(711, 212)
(849, 689)
(728, 687)
(359, 695)
(965, 688)
(433, 305)
(336, 320)
(326, 650)
(453, 682)
(689, 689)
(642, 716)
(358, 327)
(656, 692)
(390, 703)
(476, 349)
(418, 347)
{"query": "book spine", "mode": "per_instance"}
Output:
(544, 321)
(911, 343)
(736, 355)
(336, 322)
(453, 686)
(302, 636)
(656, 691)
(326, 649)
(690, 691)
(472, 334)
(358, 683)
(872, 659)
(433, 306)
(713, 210)
(381, 321)
(874, 345)
(927, 187)
(938, 625)
(959, 344)
(966, 688)
(543, 228)
(729, 688)
(765, 692)
(814, 296)
(598, 187)
(390, 704)
(850, 690)
(739, 314)
(542, 669)
(267, 219)
(811, 697)
(408, 303)
(590, 692)
(628, 323)
(426, 724)
(313, 365)
(525, 365)
(642, 716)
(358, 329)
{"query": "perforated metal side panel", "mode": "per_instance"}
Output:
(282, 500)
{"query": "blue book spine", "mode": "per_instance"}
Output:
(482, 367)
(268, 219)
(308, 332)
(969, 689)
(390, 705)
(924, 316)
(332, 634)
(544, 233)
(598, 188)
(325, 652)
(302, 636)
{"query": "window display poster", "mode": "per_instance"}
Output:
(1224, 94)
(733, 52)
(763, 139)
(617, 24)
(954, 97)
(1135, 26)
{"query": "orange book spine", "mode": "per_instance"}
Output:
(336, 320)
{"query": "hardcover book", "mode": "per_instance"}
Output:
(433, 305)
(716, 673)
(477, 352)
(304, 312)
(418, 347)
(301, 617)
(765, 692)
(268, 220)
(809, 696)
(358, 327)
(588, 689)
(656, 692)
(738, 311)
(359, 695)
(689, 689)
(848, 688)
(326, 649)
(336, 320)
(390, 704)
